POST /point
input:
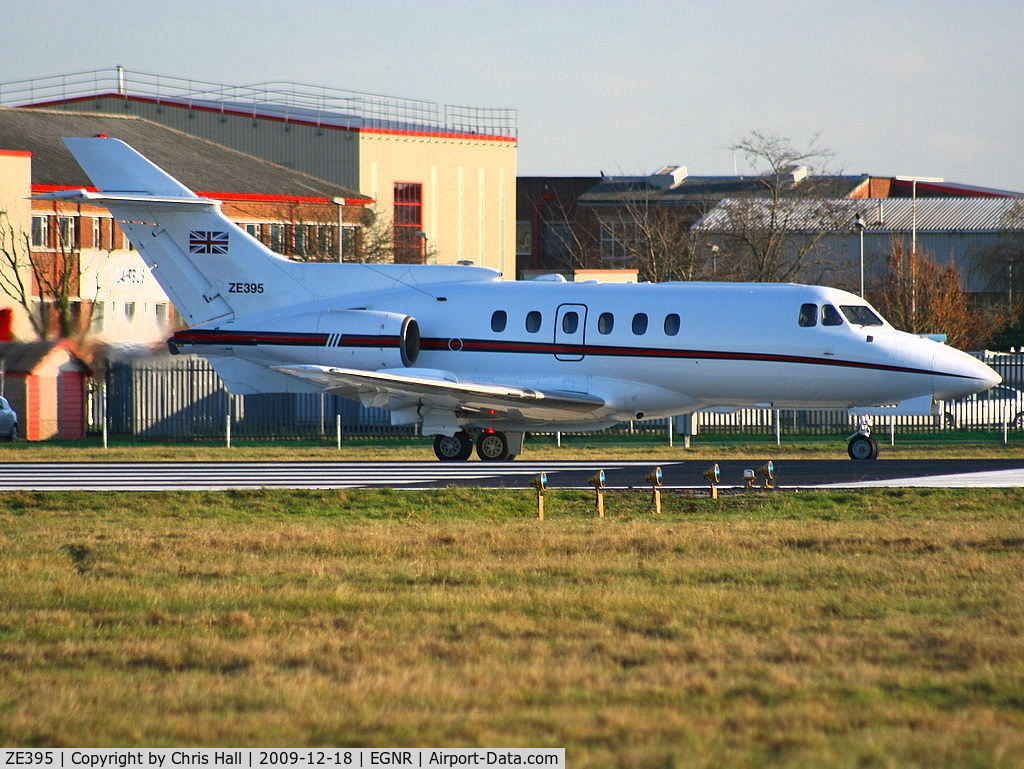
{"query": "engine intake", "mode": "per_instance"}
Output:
(369, 339)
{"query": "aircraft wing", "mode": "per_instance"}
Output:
(442, 390)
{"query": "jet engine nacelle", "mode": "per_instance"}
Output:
(368, 339)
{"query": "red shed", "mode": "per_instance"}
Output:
(45, 384)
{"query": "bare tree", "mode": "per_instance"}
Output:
(922, 297)
(658, 240)
(773, 230)
(1001, 266)
(45, 283)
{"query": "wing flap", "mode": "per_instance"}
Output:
(442, 390)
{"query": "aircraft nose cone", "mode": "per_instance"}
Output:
(956, 374)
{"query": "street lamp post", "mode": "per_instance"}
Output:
(860, 224)
(913, 233)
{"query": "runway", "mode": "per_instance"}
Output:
(789, 474)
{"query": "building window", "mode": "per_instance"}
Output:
(40, 232)
(66, 233)
(96, 232)
(277, 237)
(254, 230)
(408, 220)
(524, 238)
(618, 243)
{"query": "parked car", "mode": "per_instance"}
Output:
(992, 407)
(8, 421)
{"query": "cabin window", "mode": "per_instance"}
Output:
(498, 321)
(640, 323)
(860, 315)
(671, 324)
(830, 316)
(533, 320)
(808, 315)
(605, 323)
(570, 322)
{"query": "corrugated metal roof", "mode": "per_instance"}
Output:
(198, 164)
(701, 189)
(883, 215)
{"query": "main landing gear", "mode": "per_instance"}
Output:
(861, 445)
(491, 446)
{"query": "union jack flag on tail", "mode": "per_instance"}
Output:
(207, 242)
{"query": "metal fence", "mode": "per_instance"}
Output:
(182, 398)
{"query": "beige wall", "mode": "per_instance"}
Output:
(15, 187)
(468, 192)
(469, 184)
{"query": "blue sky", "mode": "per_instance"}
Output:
(910, 88)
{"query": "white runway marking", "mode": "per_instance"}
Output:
(994, 479)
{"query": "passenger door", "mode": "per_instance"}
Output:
(570, 331)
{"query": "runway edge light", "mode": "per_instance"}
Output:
(541, 484)
(767, 471)
(654, 478)
(597, 481)
(713, 475)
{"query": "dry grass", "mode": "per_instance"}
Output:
(846, 630)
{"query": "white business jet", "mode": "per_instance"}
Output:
(460, 351)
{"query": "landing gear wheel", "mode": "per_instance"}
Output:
(862, 447)
(492, 447)
(453, 448)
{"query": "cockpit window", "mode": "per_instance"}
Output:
(830, 316)
(808, 315)
(860, 315)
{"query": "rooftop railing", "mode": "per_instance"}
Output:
(282, 100)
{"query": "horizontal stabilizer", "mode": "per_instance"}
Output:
(116, 168)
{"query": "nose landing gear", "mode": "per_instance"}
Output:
(861, 445)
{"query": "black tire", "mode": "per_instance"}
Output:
(1018, 421)
(862, 447)
(492, 447)
(453, 448)
(950, 420)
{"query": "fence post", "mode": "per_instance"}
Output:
(778, 428)
(337, 419)
(227, 424)
(105, 429)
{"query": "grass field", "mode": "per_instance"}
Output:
(795, 630)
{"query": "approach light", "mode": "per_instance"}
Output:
(767, 471)
(654, 477)
(597, 481)
(749, 476)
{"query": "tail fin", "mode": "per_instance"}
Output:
(208, 266)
